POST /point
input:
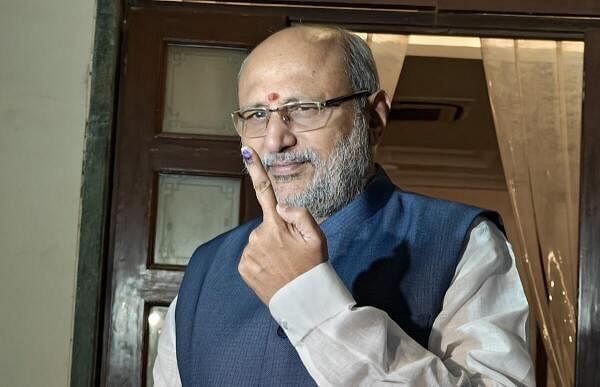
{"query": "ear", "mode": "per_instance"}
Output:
(380, 108)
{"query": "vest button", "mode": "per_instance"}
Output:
(281, 333)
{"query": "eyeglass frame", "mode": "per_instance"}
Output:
(320, 105)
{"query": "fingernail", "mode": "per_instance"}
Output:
(247, 155)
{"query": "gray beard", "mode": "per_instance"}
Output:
(337, 180)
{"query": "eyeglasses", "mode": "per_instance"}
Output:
(299, 116)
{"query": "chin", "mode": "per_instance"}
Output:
(288, 189)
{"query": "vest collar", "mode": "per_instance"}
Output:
(372, 199)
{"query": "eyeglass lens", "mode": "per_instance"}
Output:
(299, 117)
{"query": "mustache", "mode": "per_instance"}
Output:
(306, 155)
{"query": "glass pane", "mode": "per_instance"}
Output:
(193, 210)
(201, 89)
(155, 322)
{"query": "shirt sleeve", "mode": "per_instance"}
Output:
(479, 338)
(165, 372)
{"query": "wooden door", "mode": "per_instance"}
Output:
(178, 177)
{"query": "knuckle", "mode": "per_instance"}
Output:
(246, 265)
(253, 237)
(262, 185)
(242, 266)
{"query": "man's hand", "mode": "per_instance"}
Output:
(288, 243)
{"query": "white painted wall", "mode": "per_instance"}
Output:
(45, 51)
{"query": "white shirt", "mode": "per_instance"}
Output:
(479, 337)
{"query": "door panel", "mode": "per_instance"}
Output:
(178, 178)
(190, 72)
(192, 210)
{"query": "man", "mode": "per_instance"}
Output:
(345, 280)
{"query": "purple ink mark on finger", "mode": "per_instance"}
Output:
(247, 155)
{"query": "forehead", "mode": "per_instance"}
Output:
(294, 64)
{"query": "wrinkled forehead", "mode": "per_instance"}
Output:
(295, 57)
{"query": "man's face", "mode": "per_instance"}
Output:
(290, 67)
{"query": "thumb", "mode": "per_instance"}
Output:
(301, 221)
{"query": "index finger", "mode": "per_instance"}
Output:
(261, 182)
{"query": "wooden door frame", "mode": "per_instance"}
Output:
(95, 195)
(409, 16)
(588, 323)
(144, 154)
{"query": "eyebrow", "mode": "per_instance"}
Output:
(284, 101)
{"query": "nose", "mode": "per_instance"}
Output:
(278, 135)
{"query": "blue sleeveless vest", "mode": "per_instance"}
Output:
(394, 250)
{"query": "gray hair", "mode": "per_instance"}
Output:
(360, 65)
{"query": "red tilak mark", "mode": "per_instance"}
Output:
(273, 97)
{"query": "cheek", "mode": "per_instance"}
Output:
(255, 143)
(323, 142)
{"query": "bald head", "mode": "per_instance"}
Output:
(345, 56)
(304, 39)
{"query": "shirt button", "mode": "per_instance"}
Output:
(281, 333)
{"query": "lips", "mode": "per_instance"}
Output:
(280, 168)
